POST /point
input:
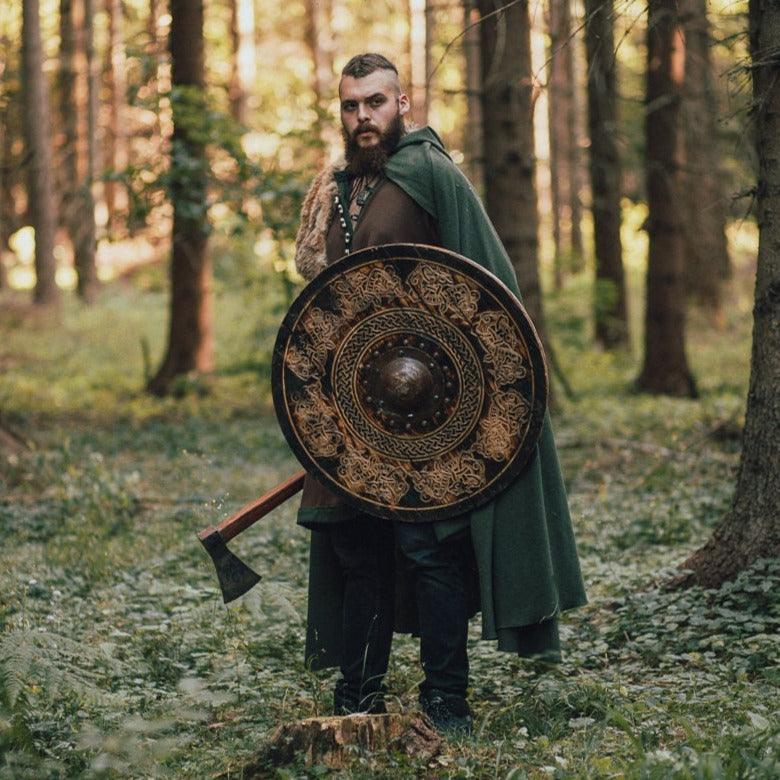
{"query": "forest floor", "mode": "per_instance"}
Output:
(118, 658)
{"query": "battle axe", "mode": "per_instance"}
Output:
(235, 577)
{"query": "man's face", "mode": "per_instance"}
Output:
(370, 107)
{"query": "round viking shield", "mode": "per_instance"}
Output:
(410, 381)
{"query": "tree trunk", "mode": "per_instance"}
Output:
(6, 199)
(573, 142)
(243, 67)
(85, 250)
(318, 21)
(418, 55)
(39, 165)
(706, 250)
(751, 530)
(611, 323)
(320, 45)
(665, 369)
(508, 132)
(557, 118)
(116, 137)
(190, 339)
(474, 162)
(76, 169)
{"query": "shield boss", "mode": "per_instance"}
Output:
(410, 381)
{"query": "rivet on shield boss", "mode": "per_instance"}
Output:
(409, 381)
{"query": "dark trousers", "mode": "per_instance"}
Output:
(366, 549)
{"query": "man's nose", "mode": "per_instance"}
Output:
(363, 113)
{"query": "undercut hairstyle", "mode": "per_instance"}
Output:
(362, 64)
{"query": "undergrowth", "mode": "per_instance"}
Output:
(118, 659)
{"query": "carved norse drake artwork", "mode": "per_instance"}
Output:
(410, 381)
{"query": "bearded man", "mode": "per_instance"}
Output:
(514, 559)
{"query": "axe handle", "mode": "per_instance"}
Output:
(251, 513)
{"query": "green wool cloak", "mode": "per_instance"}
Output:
(528, 570)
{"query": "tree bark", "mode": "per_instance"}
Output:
(706, 250)
(190, 338)
(243, 67)
(334, 741)
(86, 248)
(38, 141)
(418, 57)
(474, 154)
(76, 91)
(611, 322)
(751, 530)
(320, 45)
(6, 199)
(573, 142)
(116, 137)
(508, 132)
(665, 370)
(557, 118)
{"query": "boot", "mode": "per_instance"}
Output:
(348, 701)
(449, 713)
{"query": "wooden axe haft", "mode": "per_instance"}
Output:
(235, 577)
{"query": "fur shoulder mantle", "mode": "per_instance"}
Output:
(316, 215)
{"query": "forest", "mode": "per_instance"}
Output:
(154, 160)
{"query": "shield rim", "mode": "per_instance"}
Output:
(501, 291)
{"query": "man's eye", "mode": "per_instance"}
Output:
(348, 106)
(377, 100)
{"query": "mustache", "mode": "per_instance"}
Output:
(365, 129)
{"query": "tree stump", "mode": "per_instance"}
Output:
(335, 741)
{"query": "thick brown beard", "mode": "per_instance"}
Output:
(371, 160)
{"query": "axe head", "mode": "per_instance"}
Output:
(235, 577)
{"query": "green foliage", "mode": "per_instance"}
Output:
(224, 186)
(118, 659)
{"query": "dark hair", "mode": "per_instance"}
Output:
(363, 64)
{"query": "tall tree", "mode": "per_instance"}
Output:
(474, 154)
(609, 292)
(419, 59)
(243, 67)
(706, 249)
(320, 45)
(78, 93)
(573, 123)
(190, 338)
(562, 124)
(508, 133)
(39, 165)
(8, 102)
(116, 136)
(751, 529)
(665, 368)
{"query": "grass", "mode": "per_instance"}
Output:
(118, 659)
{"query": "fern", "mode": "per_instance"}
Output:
(31, 660)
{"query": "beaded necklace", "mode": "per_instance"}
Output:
(360, 191)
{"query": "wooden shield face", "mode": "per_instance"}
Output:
(410, 381)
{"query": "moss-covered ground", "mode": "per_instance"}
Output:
(118, 658)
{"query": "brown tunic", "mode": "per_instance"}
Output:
(390, 216)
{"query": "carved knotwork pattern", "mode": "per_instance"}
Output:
(365, 474)
(502, 344)
(363, 288)
(304, 363)
(439, 289)
(500, 430)
(361, 320)
(443, 438)
(449, 477)
(317, 421)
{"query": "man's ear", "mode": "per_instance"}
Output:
(404, 106)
